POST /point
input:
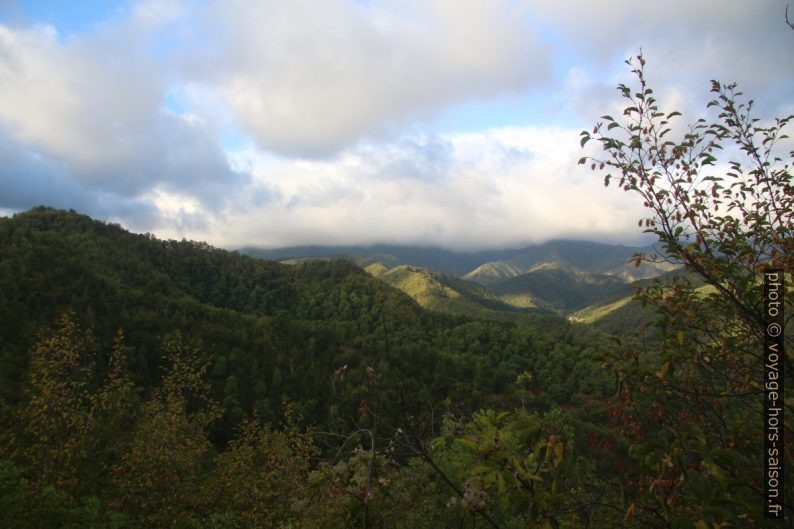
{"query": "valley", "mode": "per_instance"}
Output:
(586, 282)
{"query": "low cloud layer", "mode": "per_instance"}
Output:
(498, 188)
(271, 123)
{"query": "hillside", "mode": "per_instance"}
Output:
(625, 315)
(440, 259)
(589, 257)
(560, 289)
(559, 276)
(265, 327)
(493, 273)
(602, 301)
(445, 293)
(622, 317)
(487, 266)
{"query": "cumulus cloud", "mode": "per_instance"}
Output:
(268, 122)
(93, 105)
(28, 179)
(307, 78)
(686, 43)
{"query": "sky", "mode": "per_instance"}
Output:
(268, 123)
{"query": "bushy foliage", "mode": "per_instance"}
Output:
(720, 199)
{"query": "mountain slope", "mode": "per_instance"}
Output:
(561, 289)
(485, 267)
(493, 273)
(627, 314)
(558, 276)
(621, 317)
(259, 320)
(451, 262)
(590, 257)
(445, 293)
(268, 332)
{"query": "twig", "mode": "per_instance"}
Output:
(788, 22)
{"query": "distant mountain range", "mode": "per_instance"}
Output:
(592, 257)
(442, 260)
(585, 281)
(443, 292)
(560, 288)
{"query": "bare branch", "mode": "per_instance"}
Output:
(789, 22)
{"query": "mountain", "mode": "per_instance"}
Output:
(559, 288)
(493, 273)
(589, 257)
(486, 267)
(445, 293)
(626, 314)
(268, 331)
(620, 317)
(451, 262)
(559, 276)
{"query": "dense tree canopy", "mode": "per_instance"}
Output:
(133, 369)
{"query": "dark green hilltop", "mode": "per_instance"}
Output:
(270, 331)
(587, 282)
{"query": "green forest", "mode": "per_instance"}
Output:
(128, 333)
(151, 383)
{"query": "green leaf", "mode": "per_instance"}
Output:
(500, 483)
(468, 443)
(715, 471)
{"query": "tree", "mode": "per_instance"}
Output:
(720, 200)
(66, 434)
(159, 476)
(260, 481)
(54, 422)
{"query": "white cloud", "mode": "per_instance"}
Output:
(28, 179)
(76, 100)
(686, 43)
(308, 78)
(125, 120)
(93, 106)
(497, 188)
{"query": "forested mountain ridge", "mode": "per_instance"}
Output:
(54, 261)
(560, 276)
(605, 302)
(452, 262)
(485, 265)
(126, 313)
(561, 289)
(589, 257)
(149, 383)
(445, 293)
